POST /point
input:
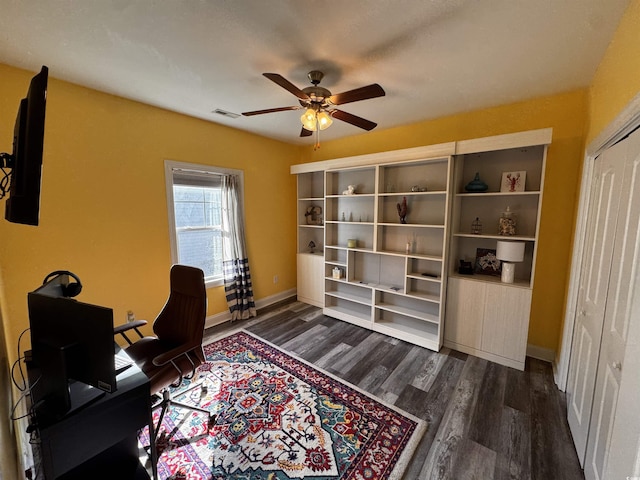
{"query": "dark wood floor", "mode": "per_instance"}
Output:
(485, 421)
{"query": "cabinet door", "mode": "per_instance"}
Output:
(506, 321)
(465, 300)
(311, 279)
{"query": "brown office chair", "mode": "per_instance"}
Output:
(175, 351)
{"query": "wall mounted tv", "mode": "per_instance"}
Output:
(22, 183)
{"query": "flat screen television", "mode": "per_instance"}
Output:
(71, 342)
(23, 203)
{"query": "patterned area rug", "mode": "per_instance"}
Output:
(278, 417)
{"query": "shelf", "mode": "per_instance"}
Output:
(492, 279)
(424, 296)
(344, 222)
(418, 276)
(497, 194)
(378, 286)
(304, 225)
(522, 238)
(410, 255)
(337, 263)
(355, 195)
(412, 225)
(411, 326)
(348, 296)
(409, 312)
(339, 247)
(347, 314)
(311, 199)
(406, 194)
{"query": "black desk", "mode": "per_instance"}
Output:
(98, 437)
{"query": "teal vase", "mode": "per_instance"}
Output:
(476, 185)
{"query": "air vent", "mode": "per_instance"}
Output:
(224, 113)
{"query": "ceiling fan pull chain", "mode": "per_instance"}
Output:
(317, 145)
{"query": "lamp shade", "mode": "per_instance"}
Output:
(309, 120)
(324, 120)
(510, 251)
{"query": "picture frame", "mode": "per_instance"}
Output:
(513, 181)
(487, 263)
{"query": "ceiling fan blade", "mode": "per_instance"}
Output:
(305, 133)
(353, 119)
(363, 93)
(287, 85)
(270, 110)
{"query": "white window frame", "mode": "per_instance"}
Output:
(184, 168)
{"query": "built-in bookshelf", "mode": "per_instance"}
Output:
(485, 316)
(310, 252)
(403, 278)
(381, 273)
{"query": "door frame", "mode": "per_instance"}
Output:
(626, 121)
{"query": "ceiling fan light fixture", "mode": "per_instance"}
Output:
(324, 120)
(309, 120)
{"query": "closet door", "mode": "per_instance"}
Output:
(594, 283)
(617, 322)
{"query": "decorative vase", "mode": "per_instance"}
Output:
(476, 185)
(507, 223)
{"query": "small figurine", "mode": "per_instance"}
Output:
(312, 246)
(351, 190)
(402, 210)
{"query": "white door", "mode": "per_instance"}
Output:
(594, 283)
(617, 318)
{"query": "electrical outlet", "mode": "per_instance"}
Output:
(275, 279)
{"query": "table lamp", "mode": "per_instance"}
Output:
(508, 253)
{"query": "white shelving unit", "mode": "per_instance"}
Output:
(486, 317)
(310, 266)
(397, 277)
(392, 274)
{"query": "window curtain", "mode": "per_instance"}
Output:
(235, 264)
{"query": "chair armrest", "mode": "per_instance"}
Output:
(172, 354)
(125, 327)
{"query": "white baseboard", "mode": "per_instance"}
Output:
(225, 316)
(541, 353)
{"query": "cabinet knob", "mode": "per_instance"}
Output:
(616, 365)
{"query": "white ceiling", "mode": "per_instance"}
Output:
(432, 57)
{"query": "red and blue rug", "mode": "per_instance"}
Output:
(279, 417)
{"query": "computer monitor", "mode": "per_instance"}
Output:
(70, 341)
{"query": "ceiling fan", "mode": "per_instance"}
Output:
(319, 103)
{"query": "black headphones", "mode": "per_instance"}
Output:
(70, 290)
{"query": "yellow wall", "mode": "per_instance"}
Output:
(566, 114)
(103, 204)
(617, 80)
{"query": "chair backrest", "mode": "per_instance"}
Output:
(182, 318)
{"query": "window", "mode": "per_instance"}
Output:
(194, 203)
